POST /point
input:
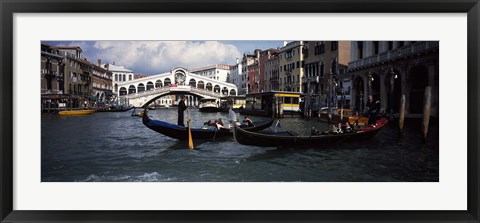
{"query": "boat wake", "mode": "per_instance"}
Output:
(146, 177)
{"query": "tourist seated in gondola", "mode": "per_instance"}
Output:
(339, 128)
(219, 123)
(213, 124)
(206, 124)
(347, 128)
(314, 131)
(334, 130)
(209, 125)
(247, 122)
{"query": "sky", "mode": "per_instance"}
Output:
(155, 57)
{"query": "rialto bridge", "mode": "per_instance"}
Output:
(143, 91)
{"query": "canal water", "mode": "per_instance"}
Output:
(106, 147)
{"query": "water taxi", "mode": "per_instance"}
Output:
(235, 102)
(208, 105)
(278, 103)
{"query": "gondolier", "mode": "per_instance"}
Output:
(373, 108)
(181, 108)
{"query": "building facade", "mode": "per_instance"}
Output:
(102, 85)
(389, 69)
(291, 66)
(219, 72)
(271, 73)
(253, 82)
(246, 84)
(239, 73)
(120, 74)
(263, 58)
(78, 76)
(235, 76)
(52, 78)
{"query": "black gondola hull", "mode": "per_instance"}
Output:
(181, 133)
(318, 141)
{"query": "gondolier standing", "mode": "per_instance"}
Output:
(181, 109)
(373, 109)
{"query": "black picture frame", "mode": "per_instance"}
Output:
(9, 7)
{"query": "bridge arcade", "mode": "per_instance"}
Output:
(177, 81)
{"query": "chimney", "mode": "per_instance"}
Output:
(237, 60)
(99, 62)
(284, 43)
(257, 52)
(107, 66)
(113, 63)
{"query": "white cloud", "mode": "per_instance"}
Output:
(154, 57)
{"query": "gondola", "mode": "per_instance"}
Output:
(113, 109)
(281, 139)
(181, 133)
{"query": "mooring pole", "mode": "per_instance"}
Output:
(402, 113)
(426, 111)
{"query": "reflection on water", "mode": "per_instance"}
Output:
(118, 147)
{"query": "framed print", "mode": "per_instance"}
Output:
(348, 111)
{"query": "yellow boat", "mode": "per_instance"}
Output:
(76, 112)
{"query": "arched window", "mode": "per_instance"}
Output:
(225, 91)
(167, 81)
(209, 86)
(124, 78)
(149, 85)
(141, 87)
(131, 89)
(233, 92)
(201, 85)
(123, 91)
(192, 82)
(158, 84)
(216, 88)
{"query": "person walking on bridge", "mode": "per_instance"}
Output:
(181, 108)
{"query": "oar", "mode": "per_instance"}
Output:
(190, 141)
(356, 121)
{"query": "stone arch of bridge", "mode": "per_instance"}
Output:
(171, 93)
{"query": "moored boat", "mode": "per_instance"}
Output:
(115, 109)
(139, 114)
(279, 139)
(181, 132)
(208, 105)
(234, 102)
(76, 112)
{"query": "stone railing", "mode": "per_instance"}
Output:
(168, 89)
(415, 48)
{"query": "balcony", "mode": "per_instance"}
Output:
(50, 73)
(402, 52)
(274, 79)
(50, 91)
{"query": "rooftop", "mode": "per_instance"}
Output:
(218, 66)
(112, 67)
